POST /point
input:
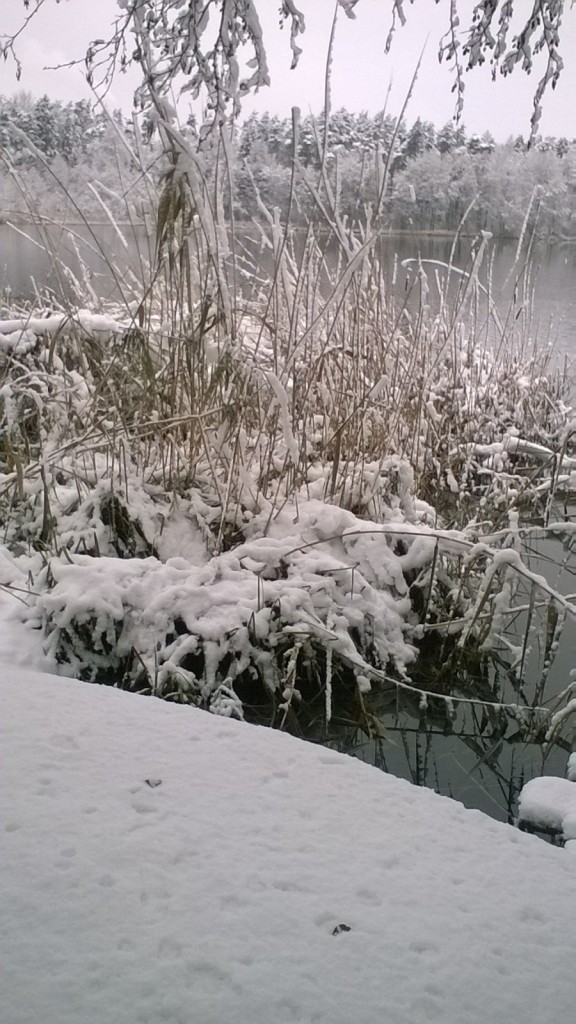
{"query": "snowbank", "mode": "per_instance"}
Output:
(165, 865)
(549, 804)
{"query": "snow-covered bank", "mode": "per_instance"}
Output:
(163, 864)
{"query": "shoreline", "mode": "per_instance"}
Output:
(442, 234)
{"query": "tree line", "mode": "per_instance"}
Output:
(435, 176)
(54, 128)
(55, 155)
(419, 177)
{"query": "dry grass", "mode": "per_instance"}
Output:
(247, 391)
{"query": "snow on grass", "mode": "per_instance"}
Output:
(163, 864)
(329, 579)
(19, 644)
(84, 320)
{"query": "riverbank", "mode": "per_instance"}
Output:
(288, 486)
(163, 864)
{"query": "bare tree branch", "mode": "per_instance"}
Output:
(216, 47)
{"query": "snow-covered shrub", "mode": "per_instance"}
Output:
(328, 586)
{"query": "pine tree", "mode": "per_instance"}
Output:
(45, 129)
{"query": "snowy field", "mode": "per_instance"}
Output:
(161, 864)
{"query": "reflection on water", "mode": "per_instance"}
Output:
(480, 771)
(537, 298)
(477, 758)
(106, 263)
(480, 756)
(540, 296)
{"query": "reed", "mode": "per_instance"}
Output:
(364, 473)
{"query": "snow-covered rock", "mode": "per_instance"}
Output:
(549, 804)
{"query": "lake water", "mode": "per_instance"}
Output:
(545, 288)
(475, 764)
(546, 291)
(34, 260)
(481, 760)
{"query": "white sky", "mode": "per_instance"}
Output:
(362, 73)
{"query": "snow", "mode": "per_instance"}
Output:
(550, 803)
(87, 322)
(161, 864)
(21, 335)
(18, 645)
(338, 573)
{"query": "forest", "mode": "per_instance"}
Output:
(414, 177)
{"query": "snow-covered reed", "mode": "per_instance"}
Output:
(242, 486)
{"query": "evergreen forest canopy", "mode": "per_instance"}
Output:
(67, 130)
(435, 174)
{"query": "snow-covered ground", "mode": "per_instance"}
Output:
(161, 864)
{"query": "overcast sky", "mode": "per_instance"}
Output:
(362, 73)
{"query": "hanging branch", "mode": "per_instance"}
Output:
(201, 45)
